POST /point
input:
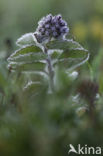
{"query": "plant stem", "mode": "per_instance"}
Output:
(50, 70)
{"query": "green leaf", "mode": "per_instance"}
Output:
(25, 50)
(63, 44)
(27, 39)
(30, 57)
(71, 63)
(73, 53)
(72, 56)
(32, 66)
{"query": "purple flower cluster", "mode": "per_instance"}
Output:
(52, 27)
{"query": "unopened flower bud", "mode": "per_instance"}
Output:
(52, 27)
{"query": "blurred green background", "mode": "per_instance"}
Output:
(45, 125)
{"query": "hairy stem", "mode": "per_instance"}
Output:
(50, 70)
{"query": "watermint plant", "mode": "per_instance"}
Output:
(45, 50)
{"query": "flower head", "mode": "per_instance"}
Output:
(52, 27)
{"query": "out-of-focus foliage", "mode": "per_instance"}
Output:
(45, 125)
